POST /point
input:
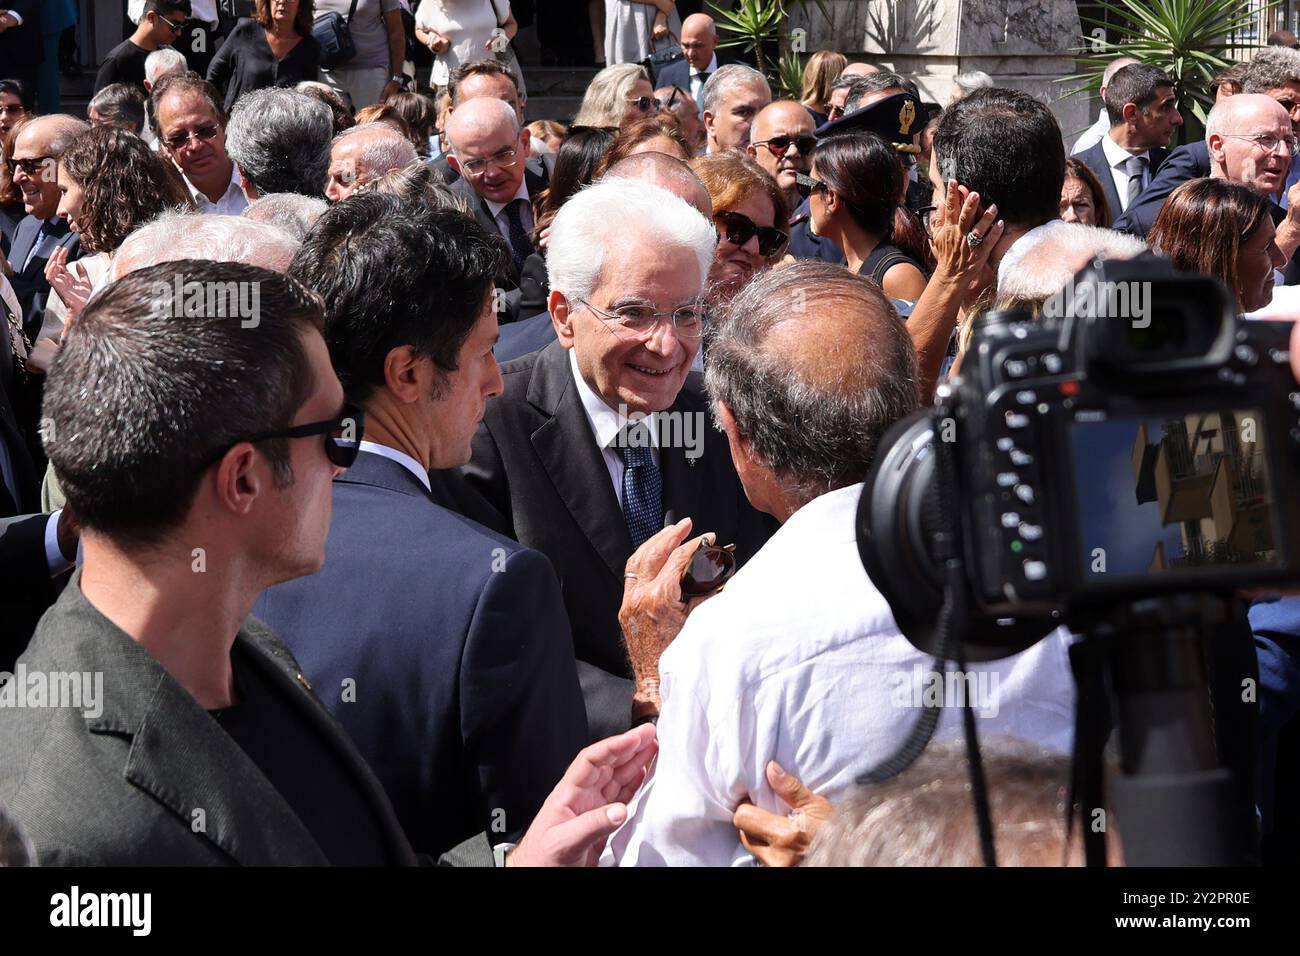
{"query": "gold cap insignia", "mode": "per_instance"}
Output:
(906, 117)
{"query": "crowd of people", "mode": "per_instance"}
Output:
(427, 485)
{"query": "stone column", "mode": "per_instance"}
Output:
(1022, 44)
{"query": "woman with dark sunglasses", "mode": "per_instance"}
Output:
(856, 185)
(747, 207)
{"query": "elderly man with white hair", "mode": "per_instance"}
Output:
(292, 212)
(601, 439)
(362, 154)
(160, 64)
(280, 140)
(729, 102)
(489, 149)
(1042, 265)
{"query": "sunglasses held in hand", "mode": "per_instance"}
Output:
(710, 568)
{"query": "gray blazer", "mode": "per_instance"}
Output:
(121, 788)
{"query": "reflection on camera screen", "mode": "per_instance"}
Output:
(1168, 492)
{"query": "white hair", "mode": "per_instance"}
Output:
(598, 217)
(162, 62)
(723, 79)
(973, 80)
(191, 235)
(292, 212)
(386, 151)
(1043, 262)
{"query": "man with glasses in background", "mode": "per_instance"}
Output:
(161, 24)
(682, 105)
(489, 149)
(782, 141)
(192, 132)
(602, 439)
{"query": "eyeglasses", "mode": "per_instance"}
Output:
(806, 185)
(645, 104)
(342, 435)
(16, 109)
(31, 166)
(688, 320)
(738, 229)
(202, 134)
(176, 27)
(673, 96)
(504, 159)
(778, 145)
(925, 212)
(710, 568)
(1268, 142)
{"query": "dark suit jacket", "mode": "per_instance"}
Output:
(526, 335)
(466, 699)
(805, 245)
(22, 46)
(26, 588)
(537, 467)
(30, 284)
(13, 432)
(509, 279)
(1095, 159)
(1186, 162)
(120, 788)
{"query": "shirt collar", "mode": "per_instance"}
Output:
(606, 423)
(713, 65)
(401, 457)
(1117, 155)
(203, 202)
(520, 193)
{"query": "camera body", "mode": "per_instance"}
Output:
(1136, 439)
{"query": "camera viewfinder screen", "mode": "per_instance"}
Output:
(1173, 492)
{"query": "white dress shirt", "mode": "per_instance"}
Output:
(799, 660)
(231, 203)
(606, 423)
(1116, 158)
(498, 209)
(697, 82)
(401, 457)
(1093, 134)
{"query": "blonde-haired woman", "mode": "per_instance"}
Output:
(819, 75)
(617, 96)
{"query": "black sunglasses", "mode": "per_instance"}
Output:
(31, 166)
(805, 185)
(739, 229)
(778, 145)
(342, 435)
(644, 103)
(710, 568)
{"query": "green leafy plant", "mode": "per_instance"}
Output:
(1188, 39)
(754, 23)
(789, 76)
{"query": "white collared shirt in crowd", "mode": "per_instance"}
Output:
(1116, 158)
(498, 209)
(1093, 134)
(606, 423)
(698, 81)
(401, 457)
(231, 203)
(799, 660)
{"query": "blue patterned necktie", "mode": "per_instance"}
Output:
(520, 245)
(643, 508)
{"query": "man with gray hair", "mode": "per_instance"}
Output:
(799, 659)
(291, 212)
(729, 102)
(362, 154)
(964, 84)
(280, 140)
(1093, 134)
(1043, 264)
(600, 439)
(214, 238)
(160, 64)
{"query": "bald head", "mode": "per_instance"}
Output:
(668, 173)
(362, 154)
(1233, 133)
(46, 139)
(859, 69)
(1114, 67)
(784, 121)
(482, 131)
(699, 39)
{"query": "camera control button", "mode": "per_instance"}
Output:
(1026, 397)
(1052, 363)
(1010, 519)
(1025, 493)
(1017, 420)
(1031, 532)
(1006, 443)
(1021, 459)
(1007, 479)
(1245, 354)
(1015, 368)
(1034, 570)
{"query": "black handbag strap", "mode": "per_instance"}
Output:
(352, 12)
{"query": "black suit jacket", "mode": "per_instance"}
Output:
(14, 433)
(1095, 159)
(510, 276)
(29, 283)
(26, 588)
(538, 469)
(22, 46)
(1186, 162)
(527, 335)
(466, 700)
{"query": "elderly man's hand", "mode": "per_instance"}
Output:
(782, 840)
(589, 803)
(653, 611)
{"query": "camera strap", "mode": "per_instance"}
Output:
(1092, 728)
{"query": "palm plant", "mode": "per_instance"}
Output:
(1188, 39)
(789, 76)
(752, 24)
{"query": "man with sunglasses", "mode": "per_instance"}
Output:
(782, 142)
(192, 133)
(161, 24)
(206, 744)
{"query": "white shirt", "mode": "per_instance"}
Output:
(401, 457)
(799, 660)
(1116, 158)
(231, 203)
(606, 424)
(1093, 134)
(498, 209)
(697, 82)
(468, 26)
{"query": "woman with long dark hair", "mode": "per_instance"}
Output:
(576, 162)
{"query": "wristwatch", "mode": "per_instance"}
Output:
(397, 78)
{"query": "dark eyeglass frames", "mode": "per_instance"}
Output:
(806, 185)
(645, 104)
(738, 229)
(342, 435)
(202, 134)
(32, 166)
(778, 145)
